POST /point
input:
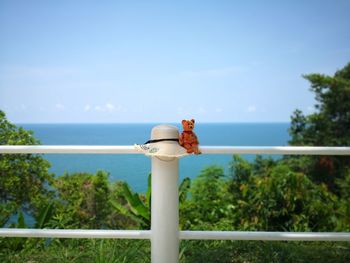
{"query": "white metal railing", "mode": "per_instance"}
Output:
(183, 235)
(164, 233)
(95, 149)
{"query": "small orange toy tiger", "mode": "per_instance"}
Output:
(188, 138)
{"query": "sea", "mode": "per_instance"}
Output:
(134, 168)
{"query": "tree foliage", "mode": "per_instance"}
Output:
(328, 126)
(23, 177)
(137, 206)
(270, 198)
(281, 199)
(208, 202)
(83, 200)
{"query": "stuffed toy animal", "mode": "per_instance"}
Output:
(188, 138)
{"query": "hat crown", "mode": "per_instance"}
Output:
(164, 131)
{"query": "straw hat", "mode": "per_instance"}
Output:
(164, 143)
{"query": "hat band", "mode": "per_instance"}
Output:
(161, 140)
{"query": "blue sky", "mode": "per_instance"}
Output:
(215, 61)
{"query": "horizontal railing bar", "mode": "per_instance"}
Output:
(252, 235)
(75, 233)
(184, 235)
(280, 150)
(89, 149)
(99, 149)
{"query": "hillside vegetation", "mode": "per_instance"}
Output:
(294, 193)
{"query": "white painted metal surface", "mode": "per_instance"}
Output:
(258, 235)
(165, 209)
(75, 233)
(281, 150)
(184, 235)
(97, 149)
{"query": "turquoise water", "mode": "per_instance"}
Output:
(135, 168)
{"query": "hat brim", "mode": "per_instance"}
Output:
(163, 149)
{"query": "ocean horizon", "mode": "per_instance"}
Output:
(134, 169)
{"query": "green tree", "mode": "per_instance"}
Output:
(280, 199)
(137, 206)
(83, 200)
(23, 177)
(344, 201)
(328, 126)
(208, 206)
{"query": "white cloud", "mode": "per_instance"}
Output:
(99, 108)
(87, 107)
(21, 107)
(202, 110)
(59, 106)
(110, 107)
(251, 108)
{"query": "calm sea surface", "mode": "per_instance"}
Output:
(135, 168)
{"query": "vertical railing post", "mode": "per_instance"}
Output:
(165, 206)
